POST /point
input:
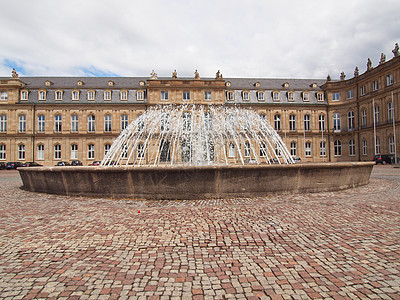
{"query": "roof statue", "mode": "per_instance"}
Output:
(383, 58)
(174, 75)
(328, 78)
(14, 73)
(153, 75)
(369, 65)
(396, 50)
(356, 72)
(196, 75)
(342, 76)
(218, 75)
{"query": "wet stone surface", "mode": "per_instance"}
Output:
(343, 244)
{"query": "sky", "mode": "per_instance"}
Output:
(248, 38)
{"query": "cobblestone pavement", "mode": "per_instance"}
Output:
(335, 245)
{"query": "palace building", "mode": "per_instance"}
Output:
(52, 119)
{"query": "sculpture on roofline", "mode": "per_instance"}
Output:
(383, 58)
(153, 75)
(174, 75)
(356, 72)
(328, 78)
(218, 75)
(369, 65)
(396, 49)
(14, 73)
(342, 76)
(196, 75)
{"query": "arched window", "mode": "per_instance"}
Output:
(107, 123)
(293, 148)
(277, 122)
(21, 152)
(391, 144)
(91, 123)
(308, 149)
(292, 122)
(336, 122)
(57, 123)
(41, 123)
(307, 122)
(74, 151)
(57, 151)
(321, 120)
(22, 123)
(3, 123)
(352, 147)
(40, 152)
(322, 147)
(91, 151)
(350, 120)
(337, 148)
(231, 152)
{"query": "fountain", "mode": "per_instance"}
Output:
(195, 152)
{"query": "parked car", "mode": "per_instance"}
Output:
(95, 163)
(250, 161)
(63, 163)
(13, 165)
(296, 159)
(76, 163)
(2, 166)
(31, 164)
(383, 159)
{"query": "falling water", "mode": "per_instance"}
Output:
(198, 135)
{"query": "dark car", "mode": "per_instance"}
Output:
(2, 165)
(383, 159)
(95, 163)
(76, 163)
(63, 163)
(31, 164)
(13, 165)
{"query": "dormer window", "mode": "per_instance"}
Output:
(110, 83)
(306, 96)
(75, 95)
(291, 96)
(79, 83)
(228, 83)
(286, 84)
(257, 84)
(320, 96)
(107, 95)
(140, 95)
(275, 96)
(230, 96)
(24, 95)
(90, 95)
(141, 83)
(260, 96)
(245, 96)
(123, 95)
(47, 83)
(314, 85)
(58, 95)
(42, 95)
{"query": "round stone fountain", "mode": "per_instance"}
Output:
(195, 152)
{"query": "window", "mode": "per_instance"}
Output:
(247, 149)
(107, 95)
(124, 122)
(3, 95)
(262, 122)
(90, 95)
(207, 95)
(375, 85)
(186, 95)
(21, 152)
(389, 79)
(74, 123)
(291, 96)
(57, 123)
(376, 115)
(306, 97)
(352, 148)
(337, 148)
(321, 121)
(260, 96)
(75, 95)
(350, 120)
(230, 96)
(58, 95)
(308, 149)
(164, 124)
(307, 122)
(277, 149)
(350, 94)
(57, 151)
(140, 95)
(74, 151)
(107, 123)
(377, 146)
(140, 150)
(41, 123)
(3, 152)
(363, 90)
(22, 123)
(107, 148)
(165, 151)
(322, 148)
(42, 95)
(365, 147)
(164, 95)
(335, 96)
(336, 122)
(24, 95)
(390, 112)
(208, 122)
(275, 96)
(391, 144)
(263, 149)
(364, 118)
(293, 148)
(245, 96)
(3, 123)
(91, 123)
(231, 152)
(90, 151)
(123, 95)
(292, 122)
(187, 121)
(277, 122)
(320, 96)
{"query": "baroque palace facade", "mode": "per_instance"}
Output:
(52, 119)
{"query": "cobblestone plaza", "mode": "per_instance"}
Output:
(336, 245)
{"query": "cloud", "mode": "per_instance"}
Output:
(243, 39)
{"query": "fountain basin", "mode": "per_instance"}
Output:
(195, 182)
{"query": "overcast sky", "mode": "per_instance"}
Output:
(285, 38)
